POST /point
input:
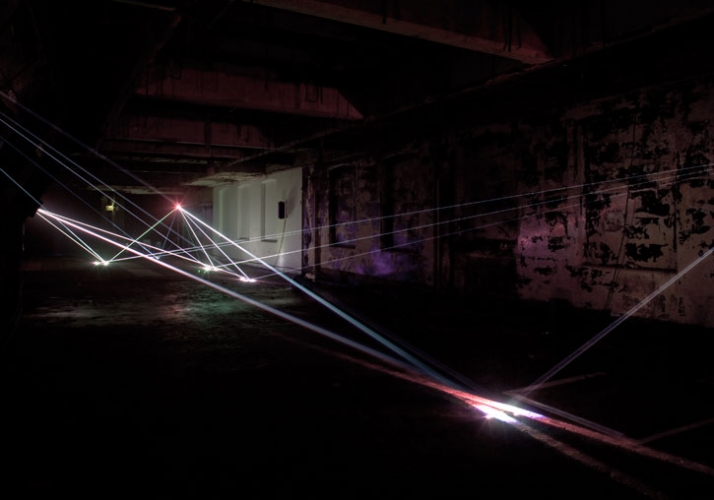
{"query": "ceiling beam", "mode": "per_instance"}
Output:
(235, 91)
(147, 5)
(169, 190)
(222, 178)
(158, 33)
(491, 35)
(185, 131)
(111, 146)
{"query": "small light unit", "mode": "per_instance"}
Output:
(246, 280)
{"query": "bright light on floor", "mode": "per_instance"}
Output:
(494, 413)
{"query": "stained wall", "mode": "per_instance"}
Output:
(637, 209)
(598, 205)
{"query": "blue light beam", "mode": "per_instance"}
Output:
(415, 362)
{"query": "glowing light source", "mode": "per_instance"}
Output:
(490, 412)
(179, 207)
(515, 410)
(100, 263)
(247, 280)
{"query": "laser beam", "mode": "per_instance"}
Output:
(605, 331)
(362, 327)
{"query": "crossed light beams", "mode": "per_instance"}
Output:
(490, 408)
(38, 142)
(148, 250)
(72, 237)
(136, 240)
(134, 251)
(213, 265)
(615, 192)
(501, 411)
(497, 409)
(408, 360)
(210, 265)
(58, 157)
(672, 176)
(194, 224)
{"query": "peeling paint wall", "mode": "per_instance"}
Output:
(616, 200)
(597, 205)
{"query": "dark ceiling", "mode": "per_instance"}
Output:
(198, 93)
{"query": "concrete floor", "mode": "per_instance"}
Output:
(133, 381)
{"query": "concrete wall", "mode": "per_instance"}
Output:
(598, 205)
(247, 212)
(368, 219)
(639, 211)
(616, 200)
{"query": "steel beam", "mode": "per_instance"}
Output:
(170, 149)
(185, 131)
(494, 32)
(236, 91)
